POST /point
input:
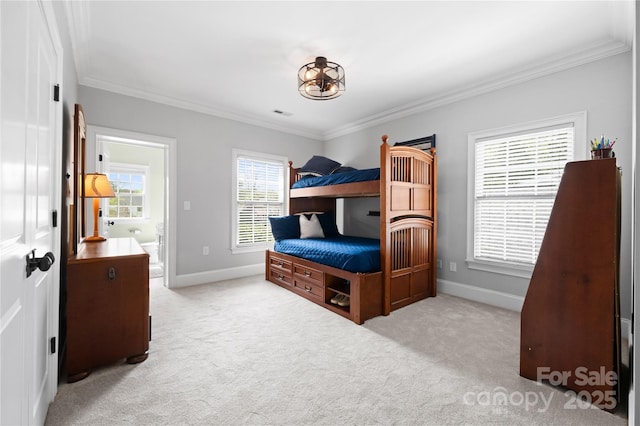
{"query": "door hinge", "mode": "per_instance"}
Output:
(99, 157)
(53, 345)
(54, 218)
(56, 93)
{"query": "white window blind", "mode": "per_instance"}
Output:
(259, 194)
(516, 179)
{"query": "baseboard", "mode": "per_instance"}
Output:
(503, 300)
(217, 275)
(482, 295)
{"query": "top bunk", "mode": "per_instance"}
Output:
(410, 162)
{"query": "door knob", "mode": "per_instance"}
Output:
(43, 263)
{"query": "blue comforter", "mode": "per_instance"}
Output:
(337, 178)
(354, 254)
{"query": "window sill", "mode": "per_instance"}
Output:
(504, 268)
(124, 221)
(250, 249)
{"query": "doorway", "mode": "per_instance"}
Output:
(140, 169)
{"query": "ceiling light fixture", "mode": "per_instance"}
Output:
(321, 79)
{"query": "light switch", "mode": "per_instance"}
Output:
(187, 205)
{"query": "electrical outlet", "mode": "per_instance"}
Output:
(453, 267)
(205, 251)
(187, 205)
(439, 263)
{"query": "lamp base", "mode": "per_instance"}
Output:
(94, 239)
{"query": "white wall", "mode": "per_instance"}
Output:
(601, 88)
(204, 145)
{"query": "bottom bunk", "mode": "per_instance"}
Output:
(327, 286)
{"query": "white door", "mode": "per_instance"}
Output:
(29, 192)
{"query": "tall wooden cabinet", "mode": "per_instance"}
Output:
(570, 321)
(107, 305)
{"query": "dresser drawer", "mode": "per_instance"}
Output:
(279, 276)
(310, 288)
(308, 274)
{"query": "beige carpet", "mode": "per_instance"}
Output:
(248, 352)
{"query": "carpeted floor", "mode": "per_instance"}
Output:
(248, 352)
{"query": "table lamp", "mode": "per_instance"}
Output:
(96, 185)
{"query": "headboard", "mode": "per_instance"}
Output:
(426, 143)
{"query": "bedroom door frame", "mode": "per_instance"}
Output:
(169, 145)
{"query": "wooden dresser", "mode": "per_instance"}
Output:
(107, 305)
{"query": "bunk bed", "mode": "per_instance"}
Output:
(406, 186)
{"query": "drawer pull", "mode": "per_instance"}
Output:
(306, 287)
(281, 277)
(112, 273)
(307, 273)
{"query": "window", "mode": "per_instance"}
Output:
(129, 185)
(515, 174)
(259, 192)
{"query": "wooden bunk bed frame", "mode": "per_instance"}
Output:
(408, 227)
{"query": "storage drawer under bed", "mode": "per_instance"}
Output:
(310, 288)
(279, 276)
(308, 274)
(278, 264)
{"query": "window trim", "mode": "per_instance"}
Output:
(579, 120)
(146, 203)
(235, 153)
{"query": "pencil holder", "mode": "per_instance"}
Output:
(598, 154)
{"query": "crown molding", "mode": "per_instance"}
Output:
(191, 106)
(551, 66)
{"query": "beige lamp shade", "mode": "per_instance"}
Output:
(96, 185)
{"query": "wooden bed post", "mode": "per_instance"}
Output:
(385, 240)
(434, 244)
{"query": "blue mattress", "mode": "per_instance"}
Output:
(354, 254)
(337, 178)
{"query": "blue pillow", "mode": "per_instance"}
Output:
(319, 166)
(343, 169)
(285, 227)
(328, 223)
